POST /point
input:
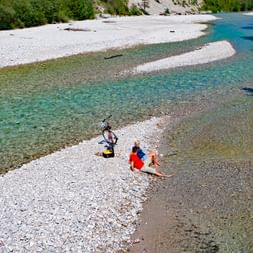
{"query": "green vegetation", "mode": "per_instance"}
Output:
(27, 13)
(116, 7)
(135, 11)
(185, 3)
(167, 11)
(227, 5)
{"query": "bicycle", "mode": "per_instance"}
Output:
(109, 136)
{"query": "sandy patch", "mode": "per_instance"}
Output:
(208, 53)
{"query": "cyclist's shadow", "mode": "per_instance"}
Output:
(106, 144)
(103, 142)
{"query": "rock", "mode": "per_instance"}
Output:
(136, 241)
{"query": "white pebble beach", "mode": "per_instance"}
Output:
(72, 200)
(28, 45)
(205, 54)
(75, 201)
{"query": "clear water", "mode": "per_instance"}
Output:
(213, 150)
(44, 107)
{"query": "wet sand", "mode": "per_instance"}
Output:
(205, 210)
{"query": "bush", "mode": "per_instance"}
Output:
(224, 5)
(86, 9)
(135, 11)
(62, 16)
(27, 13)
(167, 11)
(116, 7)
(7, 17)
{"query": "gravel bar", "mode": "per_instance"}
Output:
(74, 201)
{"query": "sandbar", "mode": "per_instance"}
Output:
(72, 200)
(22, 46)
(75, 201)
(208, 53)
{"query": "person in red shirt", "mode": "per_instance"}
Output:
(137, 164)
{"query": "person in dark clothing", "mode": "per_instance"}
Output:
(140, 152)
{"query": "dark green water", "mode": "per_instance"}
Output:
(46, 106)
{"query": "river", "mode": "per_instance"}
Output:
(49, 105)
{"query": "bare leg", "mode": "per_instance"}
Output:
(164, 175)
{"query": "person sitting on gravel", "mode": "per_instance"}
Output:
(136, 164)
(152, 155)
(153, 159)
(140, 152)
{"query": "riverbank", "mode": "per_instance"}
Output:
(208, 205)
(249, 13)
(29, 45)
(207, 209)
(74, 201)
(205, 54)
(49, 217)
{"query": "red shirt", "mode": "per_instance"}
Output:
(138, 163)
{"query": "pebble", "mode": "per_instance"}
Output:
(74, 201)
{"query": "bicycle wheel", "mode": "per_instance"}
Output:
(110, 137)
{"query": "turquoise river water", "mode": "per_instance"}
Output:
(46, 106)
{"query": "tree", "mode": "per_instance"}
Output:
(118, 7)
(26, 15)
(86, 10)
(134, 10)
(80, 9)
(227, 5)
(145, 4)
(7, 17)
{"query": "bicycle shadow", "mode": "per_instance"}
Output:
(249, 91)
(107, 145)
(102, 142)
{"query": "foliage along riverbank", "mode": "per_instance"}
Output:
(227, 6)
(28, 13)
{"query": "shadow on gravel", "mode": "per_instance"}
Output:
(249, 91)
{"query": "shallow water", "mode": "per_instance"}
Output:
(212, 156)
(46, 106)
(210, 200)
(224, 133)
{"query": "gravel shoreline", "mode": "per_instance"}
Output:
(207, 209)
(22, 46)
(74, 201)
(205, 54)
(208, 206)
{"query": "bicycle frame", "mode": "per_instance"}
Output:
(109, 136)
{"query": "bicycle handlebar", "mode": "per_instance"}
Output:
(107, 118)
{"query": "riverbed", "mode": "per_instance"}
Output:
(51, 105)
